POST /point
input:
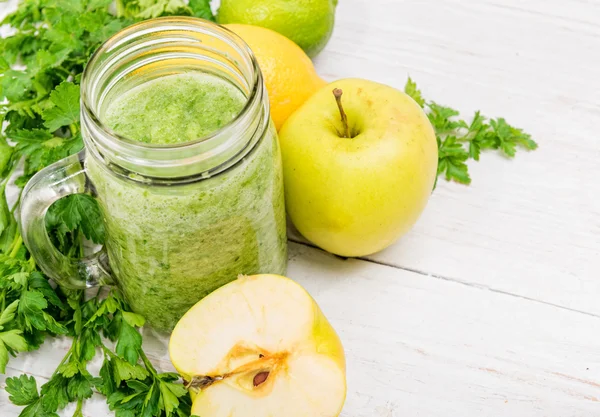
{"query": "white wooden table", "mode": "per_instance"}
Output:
(490, 306)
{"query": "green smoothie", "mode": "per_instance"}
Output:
(175, 109)
(171, 246)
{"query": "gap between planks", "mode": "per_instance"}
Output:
(450, 279)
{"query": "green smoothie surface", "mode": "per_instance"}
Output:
(175, 108)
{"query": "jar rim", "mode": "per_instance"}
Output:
(118, 37)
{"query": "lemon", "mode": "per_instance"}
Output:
(289, 73)
(309, 23)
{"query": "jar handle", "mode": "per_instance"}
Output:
(63, 178)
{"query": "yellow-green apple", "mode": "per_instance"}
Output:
(260, 347)
(359, 162)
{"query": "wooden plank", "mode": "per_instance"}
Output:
(530, 226)
(418, 345)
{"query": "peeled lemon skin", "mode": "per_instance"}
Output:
(354, 197)
(308, 23)
(289, 74)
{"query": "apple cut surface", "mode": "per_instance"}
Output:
(260, 347)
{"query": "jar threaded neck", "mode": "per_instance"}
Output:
(166, 46)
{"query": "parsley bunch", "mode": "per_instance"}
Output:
(458, 140)
(133, 387)
(40, 69)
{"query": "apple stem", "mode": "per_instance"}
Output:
(201, 382)
(337, 92)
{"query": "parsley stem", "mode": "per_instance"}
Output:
(65, 358)
(107, 351)
(78, 247)
(147, 363)
(3, 299)
(63, 70)
(17, 243)
(6, 180)
(14, 207)
(79, 407)
(78, 323)
(26, 105)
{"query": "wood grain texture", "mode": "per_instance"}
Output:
(419, 346)
(489, 306)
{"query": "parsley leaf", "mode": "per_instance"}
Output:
(169, 400)
(54, 394)
(80, 211)
(149, 394)
(478, 134)
(39, 283)
(146, 9)
(201, 8)
(8, 314)
(458, 140)
(66, 107)
(452, 157)
(31, 311)
(3, 357)
(79, 387)
(442, 118)
(130, 341)
(411, 89)
(22, 390)
(124, 371)
(40, 148)
(13, 340)
(132, 388)
(31, 308)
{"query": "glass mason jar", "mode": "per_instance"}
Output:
(181, 219)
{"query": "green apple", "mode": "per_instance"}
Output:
(260, 347)
(359, 165)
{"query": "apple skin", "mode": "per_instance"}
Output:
(354, 197)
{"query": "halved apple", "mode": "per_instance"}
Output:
(260, 347)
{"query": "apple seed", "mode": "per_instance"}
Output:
(260, 378)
